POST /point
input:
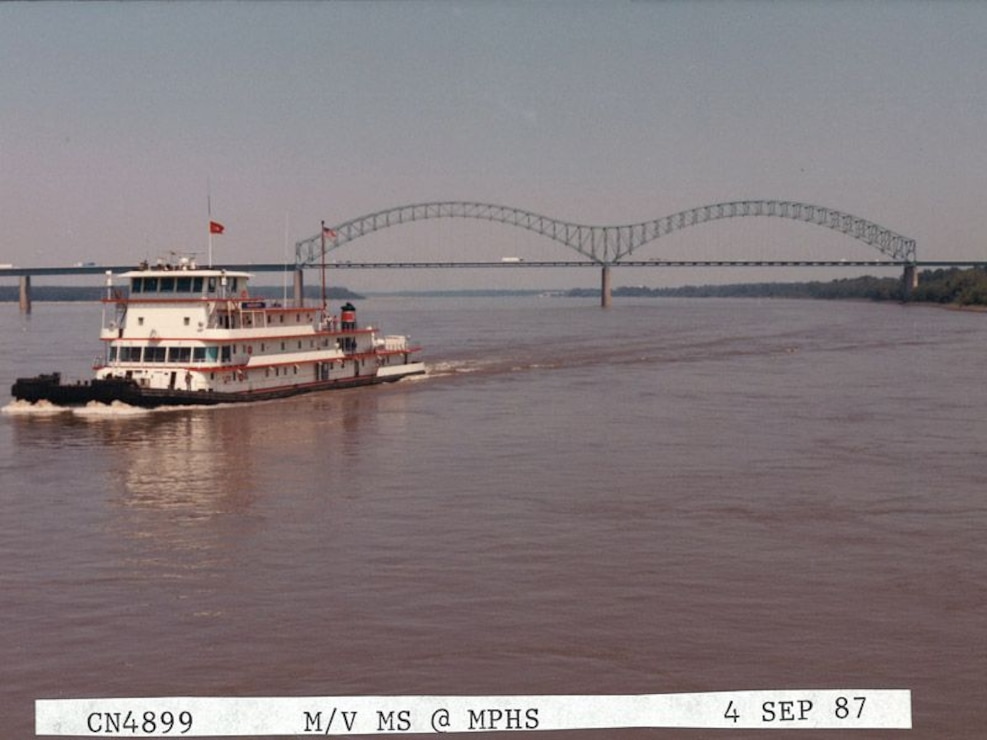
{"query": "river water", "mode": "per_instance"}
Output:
(666, 496)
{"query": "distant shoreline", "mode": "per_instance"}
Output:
(958, 289)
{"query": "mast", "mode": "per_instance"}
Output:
(284, 274)
(209, 216)
(325, 303)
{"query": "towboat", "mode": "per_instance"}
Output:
(181, 335)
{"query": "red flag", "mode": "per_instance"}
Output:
(328, 232)
(215, 227)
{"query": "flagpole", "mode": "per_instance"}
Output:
(209, 219)
(325, 303)
(284, 277)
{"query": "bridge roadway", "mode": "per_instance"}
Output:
(351, 265)
(26, 273)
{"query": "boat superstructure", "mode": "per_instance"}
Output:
(179, 334)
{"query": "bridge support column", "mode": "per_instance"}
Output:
(606, 297)
(25, 295)
(909, 281)
(299, 294)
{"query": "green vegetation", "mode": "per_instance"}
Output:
(961, 287)
(878, 289)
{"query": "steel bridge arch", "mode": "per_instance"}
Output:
(607, 245)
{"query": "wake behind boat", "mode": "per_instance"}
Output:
(185, 335)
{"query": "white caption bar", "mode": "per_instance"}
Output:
(834, 709)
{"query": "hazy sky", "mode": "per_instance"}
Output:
(117, 119)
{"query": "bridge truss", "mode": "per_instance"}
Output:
(607, 245)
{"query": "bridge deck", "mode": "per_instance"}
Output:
(273, 267)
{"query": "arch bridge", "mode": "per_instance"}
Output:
(607, 245)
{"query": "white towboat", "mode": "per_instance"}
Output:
(185, 335)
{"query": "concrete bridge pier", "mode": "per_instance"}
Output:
(606, 297)
(25, 295)
(909, 281)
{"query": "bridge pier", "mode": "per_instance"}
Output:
(25, 294)
(606, 297)
(909, 281)
(299, 287)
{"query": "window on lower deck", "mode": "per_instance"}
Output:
(155, 354)
(205, 354)
(180, 354)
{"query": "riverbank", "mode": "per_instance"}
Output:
(961, 288)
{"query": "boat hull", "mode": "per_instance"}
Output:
(109, 390)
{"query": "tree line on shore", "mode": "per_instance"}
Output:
(961, 287)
